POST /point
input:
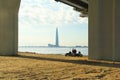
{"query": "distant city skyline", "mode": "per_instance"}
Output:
(38, 20)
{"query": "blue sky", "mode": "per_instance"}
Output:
(38, 20)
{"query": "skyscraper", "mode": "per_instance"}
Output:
(57, 38)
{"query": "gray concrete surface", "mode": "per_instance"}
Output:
(9, 27)
(104, 29)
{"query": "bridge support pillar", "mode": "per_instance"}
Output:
(9, 27)
(104, 29)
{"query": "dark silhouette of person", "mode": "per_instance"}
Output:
(80, 54)
(69, 52)
(74, 51)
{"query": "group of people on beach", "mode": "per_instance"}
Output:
(74, 53)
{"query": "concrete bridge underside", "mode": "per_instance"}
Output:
(104, 28)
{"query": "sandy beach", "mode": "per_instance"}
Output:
(29, 66)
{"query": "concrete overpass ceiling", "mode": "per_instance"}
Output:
(78, 5)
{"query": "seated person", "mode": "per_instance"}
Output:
(80, 54)
(69, 52)
(74, 51)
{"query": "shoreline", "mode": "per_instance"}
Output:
(46, 53)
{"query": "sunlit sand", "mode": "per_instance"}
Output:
(30, 66)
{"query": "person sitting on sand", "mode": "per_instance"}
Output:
(74, 51)
(80, 54)
(70, 52)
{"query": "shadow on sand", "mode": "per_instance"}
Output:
(85, 62)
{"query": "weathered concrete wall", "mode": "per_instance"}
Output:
(9, 26)
(93, 30)
(104, 30)
(117, 29)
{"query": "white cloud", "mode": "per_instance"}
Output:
(45, 12)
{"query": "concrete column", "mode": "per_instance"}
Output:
(93, 30)
(104, 30)
(9, 27)
(117, 29)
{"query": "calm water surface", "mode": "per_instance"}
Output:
(51, 50)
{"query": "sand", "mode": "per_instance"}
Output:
(29, 66)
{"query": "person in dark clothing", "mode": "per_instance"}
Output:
(79, 53)
(74, 51)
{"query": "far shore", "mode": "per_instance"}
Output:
(34, 66)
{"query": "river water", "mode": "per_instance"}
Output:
(51, 50)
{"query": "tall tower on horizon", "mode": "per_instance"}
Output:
(57, 38)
